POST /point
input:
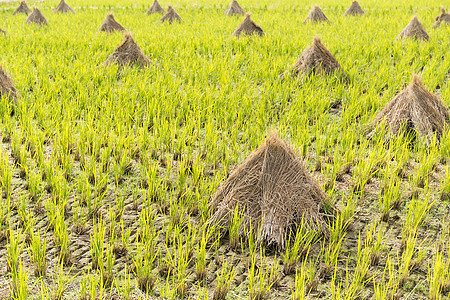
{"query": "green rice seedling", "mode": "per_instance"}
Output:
(38, 249)
(182, 271)
(122, 248)
(417, 209)
(201, 250)
(13, 250)
(298, 248)
(374, 242)
(108, 272)
(358, 279)
(166, 291)
(19, 282)
(143, 263)
(224, 278)
(22, 210)
(124, 285)
(407, 263)
(234, 229)
(120, 206)
(258, 280)
(348, 211)
(5, 176)
(85, 286)
(190, 239)
(300, 289)
(79, 219)
(177, 213)
(62, 280)
(167, 263)
(62, 238)
(4, 213)
(98, 243)
(390, 196)
(332, 250)
(426, 164)
(311, 281)
(274, 273)
(148, 231)
(202, 293)
(95, 287)
(364, 170)
(445, 185)
(438, 273)
(34, 180)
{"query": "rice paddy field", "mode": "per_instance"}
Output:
(107, 173)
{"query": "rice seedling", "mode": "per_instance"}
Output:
(224, 279)
(298, 248)
(38, 249)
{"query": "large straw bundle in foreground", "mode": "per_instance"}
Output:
(315, 59)
(128, 54)
(248, 27)
(414, 30)
(110, 24)
(275, 191)
(36, 17)
(316, 15)
(442, 18)
(415, 109)
(234, 9)
(22, 9)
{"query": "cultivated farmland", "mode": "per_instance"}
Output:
(172, 159)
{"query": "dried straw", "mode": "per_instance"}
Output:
(110, 24)
(354, 10)
(234, 9)
(248, 27)
(274, 189)
(36, 17)
(414, 30)
(155, 9)
(171, 16)
(442, 18)
(414, 109)
(316, 15)
(6, 86)
(315, 59)
(63, 7)
(128, 54)
(22, 9)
